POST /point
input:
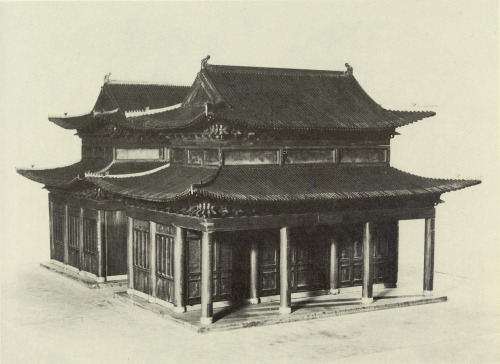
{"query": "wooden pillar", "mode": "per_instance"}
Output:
(130, 252)
(152, 260)
(100, 254)
(80, 239)
(179, 270)
(51, 227)
(429, 256)
(367, 291)
(285, 294)
(65, 235)
(334, 265)
(207, 247)
(254, 273)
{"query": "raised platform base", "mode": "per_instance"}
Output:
(230, 318)
(82, 277)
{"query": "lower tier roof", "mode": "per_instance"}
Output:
(64, 176)
(276, 183)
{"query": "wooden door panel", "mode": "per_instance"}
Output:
(269, 264)
(58, 224)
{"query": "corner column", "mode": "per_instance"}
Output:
(285, 294)
(152, 261)
(179, 270)
(207, 248)
(367, 291)
(130, 254)
(254, 273)
(334, 265)
(429, 256)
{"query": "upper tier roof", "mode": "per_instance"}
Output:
(255, 97)
(125, 97)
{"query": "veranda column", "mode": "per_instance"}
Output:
(207, 246)
(130, 254)
(367, 292)
(65, 234)
(429, 256)
(152, 261)
(100, 247)
(285, 294)
(179, 270)
(254, 273)
(334, 265)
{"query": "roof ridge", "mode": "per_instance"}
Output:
(274, 70)
(146, 83)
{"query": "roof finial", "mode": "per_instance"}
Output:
(204, 62)
(106, 78)
(348, 71)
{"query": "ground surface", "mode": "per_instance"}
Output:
(47, 318)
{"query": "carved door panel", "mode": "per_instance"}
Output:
(382, 255)
(141, 256)
(269, 264)
(351, 256)
(58, 226)
(309, 261)
(73, 240)
(222, 260)
(193, 241)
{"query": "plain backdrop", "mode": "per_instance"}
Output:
(408, 55)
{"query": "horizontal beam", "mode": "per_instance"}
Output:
(278, 221)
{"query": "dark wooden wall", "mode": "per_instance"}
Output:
(116, 243)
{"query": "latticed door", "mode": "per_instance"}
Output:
(74, 237)
(58, 224)
(141, 256)
(309, 261)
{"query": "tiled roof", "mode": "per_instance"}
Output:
(278, 183)
(166, 184)
(63, 176)
(322, 182)
(274, 98)
(129, 96)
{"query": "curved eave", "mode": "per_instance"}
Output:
(72, 122)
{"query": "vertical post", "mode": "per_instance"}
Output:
(179, 270)
(206, 278)
(254, 273)
(130, 253)
(65, 235)
(80, 240)
(285, 294)
(152, 261)
(334, 265)
(99, 231)
(51, 227)
(429, 256)
(367, 291)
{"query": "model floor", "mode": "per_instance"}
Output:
(48, 318)
(229, 318)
